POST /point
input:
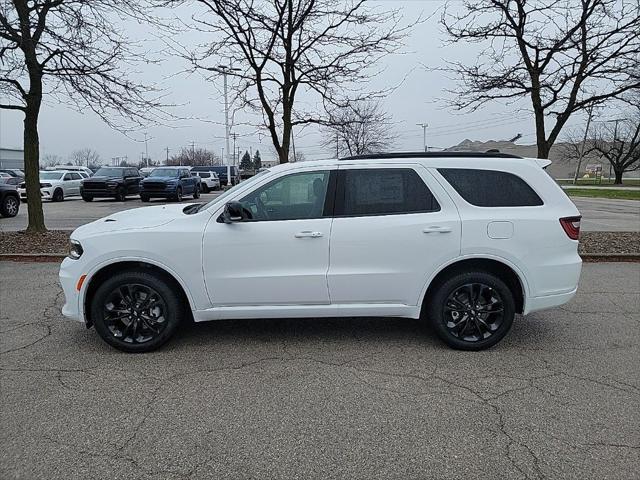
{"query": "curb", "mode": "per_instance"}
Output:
(32, 257)
(58, 257)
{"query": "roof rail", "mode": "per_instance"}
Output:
(381, 156)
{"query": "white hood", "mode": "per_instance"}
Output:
(134, 219)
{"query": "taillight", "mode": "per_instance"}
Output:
(571, 226)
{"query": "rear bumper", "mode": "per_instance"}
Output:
(535, 304)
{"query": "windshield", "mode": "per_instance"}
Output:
(232, 190)
(51, 175)
(109, 172)
(164, 172)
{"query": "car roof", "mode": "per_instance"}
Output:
(475, 160)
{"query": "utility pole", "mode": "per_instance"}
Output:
(424, 135)
(233, 159)
(293, 145)
(167, 161)
(224, 70)
(193, 152)
(584, 141)
(146, 149)
(337, 145)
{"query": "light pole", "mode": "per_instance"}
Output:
(224, 70)
(146, 149)
(424, 135)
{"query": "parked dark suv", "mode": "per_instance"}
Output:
(116, 182)
(169, 182)
(221, 170)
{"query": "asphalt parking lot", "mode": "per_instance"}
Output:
(597, 214)
(341, 398)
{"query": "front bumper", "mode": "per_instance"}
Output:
(45, 193)
(70, 273)
(99, 192)
(167, 191)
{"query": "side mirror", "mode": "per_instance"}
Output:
(232, 212)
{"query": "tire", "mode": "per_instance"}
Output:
(10, 206)
(121, 194)
(137, 329)
(178, 195)
(87, 198)
(144, 198)
(460, 323)
(205, 188)
(58, 195)
(196, 193)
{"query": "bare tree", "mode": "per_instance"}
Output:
(359, 128)
(50, 160)
(564, 56)
(85, 156)
(322, 48)
(194, 156)
(618, 142)
(72, 51)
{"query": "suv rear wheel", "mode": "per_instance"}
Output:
(471, 311)
(136, 311)
(58, 195)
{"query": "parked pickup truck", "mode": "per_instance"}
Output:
(116, 182)
(169, 182)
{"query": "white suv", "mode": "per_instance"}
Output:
(56, 185)
(464, 241)
(209, 180)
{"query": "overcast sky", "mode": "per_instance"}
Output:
(418, 100)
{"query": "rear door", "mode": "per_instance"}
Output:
(393, 227)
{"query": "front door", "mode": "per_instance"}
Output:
(279, 254)
(393, 226)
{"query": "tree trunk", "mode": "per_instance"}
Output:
(32, 168)
(618, 180)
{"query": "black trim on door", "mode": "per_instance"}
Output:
(330, 197)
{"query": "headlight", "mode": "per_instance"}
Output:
(45, 185)
(75, 249)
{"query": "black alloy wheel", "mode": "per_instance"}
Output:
(179, 194)
(136, 311)
(196, 193)
(472, 311)
(10, 206)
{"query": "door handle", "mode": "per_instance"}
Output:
(308, 235)
(436, 229)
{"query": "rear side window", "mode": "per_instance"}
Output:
(383, 191)
(491, 188)
(204, 174)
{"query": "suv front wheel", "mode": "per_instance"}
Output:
(471, 311)
(136, 311)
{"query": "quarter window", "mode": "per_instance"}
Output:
(383, 191)
(293, 197)
(491, 188)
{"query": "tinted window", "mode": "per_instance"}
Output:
(383, 191)
(293, 197)
(75, 176)
(68, 176)
(491, 188)
(204, 175)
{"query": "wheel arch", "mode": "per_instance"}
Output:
(502, 269)
(105, 270)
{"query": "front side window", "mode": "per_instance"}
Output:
(383, 191)
(292, 197)
(491, 188)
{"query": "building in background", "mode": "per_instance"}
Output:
(11, 158)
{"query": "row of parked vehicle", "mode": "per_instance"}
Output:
(168, 182)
